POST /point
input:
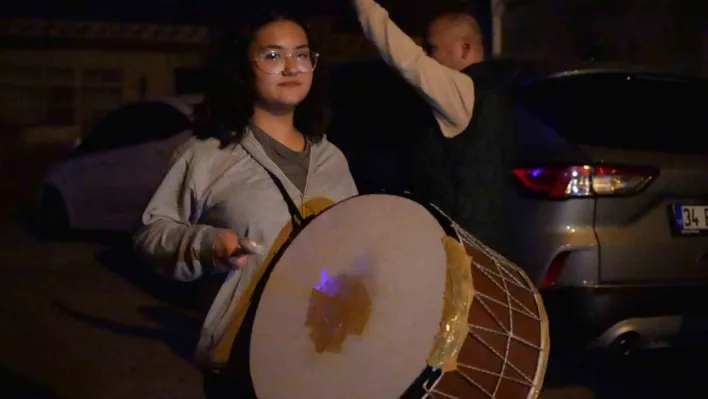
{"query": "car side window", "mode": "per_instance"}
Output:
(103, 135)
(152, 122)
(134, 125)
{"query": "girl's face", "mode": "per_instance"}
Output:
(282, 64)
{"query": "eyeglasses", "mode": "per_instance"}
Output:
(274, 61)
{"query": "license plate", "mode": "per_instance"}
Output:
(691, 219)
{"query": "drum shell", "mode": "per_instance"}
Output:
(506, 353)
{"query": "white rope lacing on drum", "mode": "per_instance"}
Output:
(510, 275)
(508, 340)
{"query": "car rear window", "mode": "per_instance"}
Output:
(636, 112)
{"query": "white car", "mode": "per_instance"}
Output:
(107, 180)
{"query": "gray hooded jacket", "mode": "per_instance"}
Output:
(208, 190)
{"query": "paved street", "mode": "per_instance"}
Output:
(82, 320)
(74, 328)
(76, 319)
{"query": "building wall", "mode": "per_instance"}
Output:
(661, 33)
(64, 73)
(75, 87)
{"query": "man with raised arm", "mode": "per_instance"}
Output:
(463, 163)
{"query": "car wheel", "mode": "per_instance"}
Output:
(53, 220)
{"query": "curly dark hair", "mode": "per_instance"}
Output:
(230, 96)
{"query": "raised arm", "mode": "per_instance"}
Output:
(450, 93)
(169, 237)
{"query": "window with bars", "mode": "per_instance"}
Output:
(101, 92)
(58, 96)
(21, 95)
(21, 104)
(101, 77)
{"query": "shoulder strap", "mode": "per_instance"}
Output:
(292, 208)
(295, 214)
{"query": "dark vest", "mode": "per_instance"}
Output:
(469, 176)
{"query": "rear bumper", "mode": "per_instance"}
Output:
(604, 317)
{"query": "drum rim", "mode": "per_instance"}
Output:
(447, 229)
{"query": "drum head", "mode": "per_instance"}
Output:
(390, 245)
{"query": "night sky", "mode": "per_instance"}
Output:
(412, 15)
(164, 11)
(170, 11)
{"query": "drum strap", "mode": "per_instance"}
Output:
(298, 220)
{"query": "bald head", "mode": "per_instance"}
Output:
(455, 40)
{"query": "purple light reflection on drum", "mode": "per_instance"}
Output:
(328, 285)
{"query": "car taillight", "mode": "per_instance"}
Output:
(584, 180)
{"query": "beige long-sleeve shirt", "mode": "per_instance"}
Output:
(449, 93)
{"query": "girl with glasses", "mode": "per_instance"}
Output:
(226, 204)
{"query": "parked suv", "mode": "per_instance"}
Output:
(611, 199)
(618, 161)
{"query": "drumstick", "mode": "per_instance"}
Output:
(247, 247)
(251, 247)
